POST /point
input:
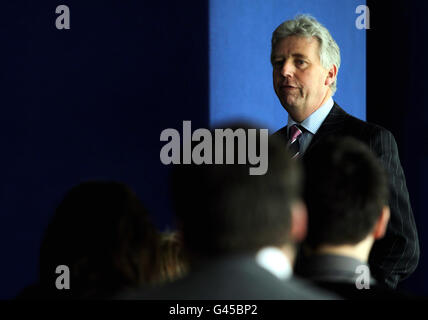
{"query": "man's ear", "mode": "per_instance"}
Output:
(331, 75)
(381, 224)
(299, 221)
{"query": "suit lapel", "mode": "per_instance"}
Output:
(334, 121)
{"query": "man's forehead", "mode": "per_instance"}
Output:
(296, 45)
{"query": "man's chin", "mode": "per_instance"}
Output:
(289, 104)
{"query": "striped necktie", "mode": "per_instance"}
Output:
(293, 142)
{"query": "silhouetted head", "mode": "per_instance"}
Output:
(223, 209)
(346, 190)
(103, 234)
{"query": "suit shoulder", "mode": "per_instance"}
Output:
(354, 121)
(280, 132)
(366, 130)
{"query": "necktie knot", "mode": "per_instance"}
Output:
(295, 133)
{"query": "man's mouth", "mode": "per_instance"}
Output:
(288, 87)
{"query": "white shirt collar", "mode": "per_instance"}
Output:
(275, 261)
(314, 121)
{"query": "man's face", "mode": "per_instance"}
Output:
(299, 79)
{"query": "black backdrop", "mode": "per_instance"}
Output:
(397, 69)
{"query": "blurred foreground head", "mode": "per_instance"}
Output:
(346, 193)
(222, 209)
(102, 232)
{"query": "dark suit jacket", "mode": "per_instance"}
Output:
(330, 268)
(236, 277)
(337, 274)
(396, 256)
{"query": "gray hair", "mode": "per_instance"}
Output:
(307, 26)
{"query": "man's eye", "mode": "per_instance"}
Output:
(278, 63)
(300, 62)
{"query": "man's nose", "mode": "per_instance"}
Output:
(287, 69)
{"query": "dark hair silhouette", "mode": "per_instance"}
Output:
(345, 191)
(103, 234)
(222, 209)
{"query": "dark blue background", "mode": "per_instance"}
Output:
(90, 103)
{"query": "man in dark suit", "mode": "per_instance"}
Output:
(239, 231)
(306, 60)
(346, 194)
